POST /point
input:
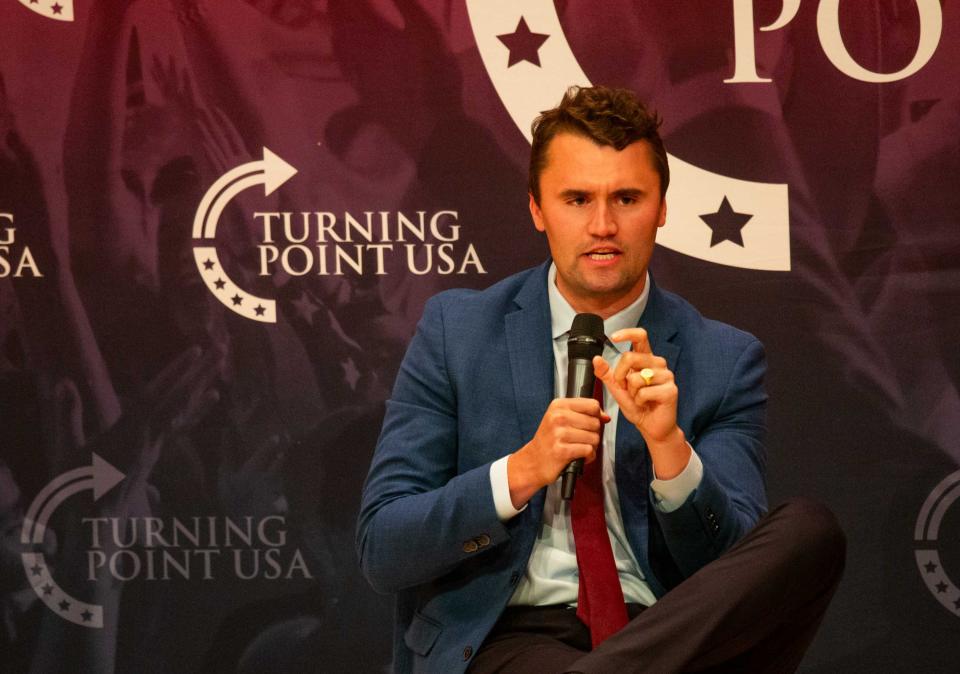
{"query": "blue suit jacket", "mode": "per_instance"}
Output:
(473, 387)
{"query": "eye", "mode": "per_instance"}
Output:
(577, 200)
(626, 199)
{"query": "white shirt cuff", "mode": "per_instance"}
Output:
(500, 485)
(673, 493)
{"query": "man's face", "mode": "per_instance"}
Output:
(600, 209)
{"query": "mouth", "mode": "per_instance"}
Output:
(602, 254)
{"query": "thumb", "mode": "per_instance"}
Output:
(602, 370)
(604, 373)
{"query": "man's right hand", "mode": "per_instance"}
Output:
(570, 429)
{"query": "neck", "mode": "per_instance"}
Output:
(603, 306)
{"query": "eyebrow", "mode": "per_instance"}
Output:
(632, 192)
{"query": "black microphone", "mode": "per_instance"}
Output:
(585, 341)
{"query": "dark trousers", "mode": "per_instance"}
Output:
(754, 609)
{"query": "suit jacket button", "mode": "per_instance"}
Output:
(483, 540)
(470, 546)
(467, 653)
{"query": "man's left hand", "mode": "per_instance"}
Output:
(651, 407)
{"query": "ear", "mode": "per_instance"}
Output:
(536, 214)
(662, 217)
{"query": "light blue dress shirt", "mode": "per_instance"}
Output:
(552, 576)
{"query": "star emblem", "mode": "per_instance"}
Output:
(56, 7)
(930, 567)
(726, 224)
(941, 587)
(64, 605)
(48, 589)
(36, 569)
(219, 283)
(237, 300)
(305, 307)
(86, 615)
(523, 44)
(208, 264)
(259, 309)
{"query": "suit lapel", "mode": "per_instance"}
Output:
(529, 343)
(661, 327)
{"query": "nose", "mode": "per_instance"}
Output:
(603, 224)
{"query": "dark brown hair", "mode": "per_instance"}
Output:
(607, 116)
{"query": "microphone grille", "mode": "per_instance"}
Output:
(586, 336)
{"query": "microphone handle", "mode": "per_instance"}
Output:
(580, 383)
(568, 482)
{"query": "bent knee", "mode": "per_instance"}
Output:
(815, 533)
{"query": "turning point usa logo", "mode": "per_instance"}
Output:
(320, 242)
(935, 552)
(150, 548)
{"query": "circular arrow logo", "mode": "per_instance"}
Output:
(927, 534)
(712, 217)
(271, 172)
(99, 476)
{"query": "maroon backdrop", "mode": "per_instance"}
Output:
(197, 334)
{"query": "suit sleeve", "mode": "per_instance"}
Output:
(731, 496)
(420, 516)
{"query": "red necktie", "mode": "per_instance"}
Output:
(600, 602)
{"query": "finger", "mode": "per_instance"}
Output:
(638, 336)
(588, 406)
(602, 369)
(661, 393)
(585, 451)
(604, 373)
(567, 420)
(643, 378)
(619, 393)
(575, 435)
(631, 362)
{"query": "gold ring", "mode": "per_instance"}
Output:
(647, 375)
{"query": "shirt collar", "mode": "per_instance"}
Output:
(561, 313)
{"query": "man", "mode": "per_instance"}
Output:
(462, 516)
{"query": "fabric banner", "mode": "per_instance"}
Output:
(219, 223)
